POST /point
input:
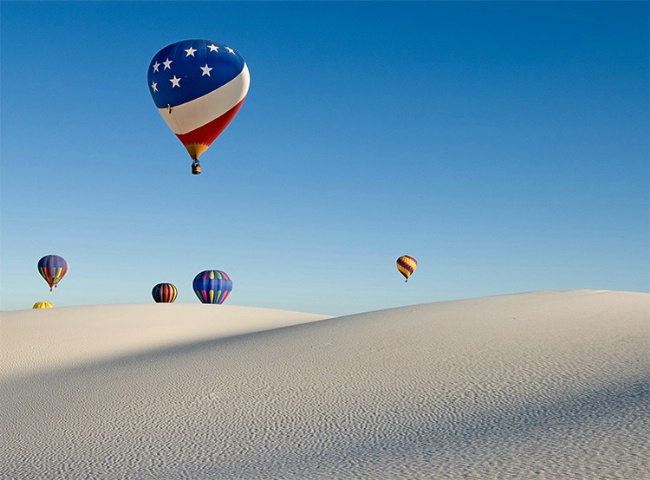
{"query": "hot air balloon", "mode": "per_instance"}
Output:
(43, 305)
(406, 265)
(52, 268)
(198, 86)
(212, 286)
(164, 293)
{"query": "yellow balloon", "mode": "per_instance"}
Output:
(43, 305)
(406, 265)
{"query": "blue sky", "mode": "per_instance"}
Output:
(502, 144)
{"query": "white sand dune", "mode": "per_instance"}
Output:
(541, 385)
(40, 340)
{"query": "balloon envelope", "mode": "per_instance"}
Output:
(198, 86)
(406, 265)
(212, 286)
(164, 293)
(52, 268)
(43, 305)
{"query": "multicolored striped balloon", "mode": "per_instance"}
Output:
(43, 305)
(164, 293)
(406, 265)
(52, 268)
(212, 286)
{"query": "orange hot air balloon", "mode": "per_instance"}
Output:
(164, 293)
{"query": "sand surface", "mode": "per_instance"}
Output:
(541, 385)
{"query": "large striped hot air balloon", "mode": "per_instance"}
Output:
(42, 305)
(52, 268)
(198, 86)
(164, 293)
(406, 265)
(212, 286)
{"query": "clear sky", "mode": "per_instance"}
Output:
(503, 144)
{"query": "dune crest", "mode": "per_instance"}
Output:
(38, 341)
(534, 385)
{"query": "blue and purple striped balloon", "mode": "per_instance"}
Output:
(212, 286)
(53, 268)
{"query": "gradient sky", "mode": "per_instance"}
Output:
(503, 144)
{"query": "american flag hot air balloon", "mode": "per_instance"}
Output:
(198, 86)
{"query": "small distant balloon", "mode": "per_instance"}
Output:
(43, 305)
(212, 286)
(164, 293)
(406, 266)
(52, 268)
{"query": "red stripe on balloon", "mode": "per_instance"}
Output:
(206, 134)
